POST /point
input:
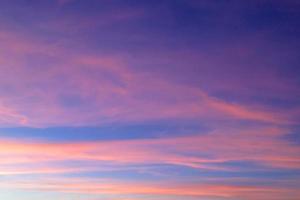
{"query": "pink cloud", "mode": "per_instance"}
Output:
(106, 89)
(112, 187)
(261, 146)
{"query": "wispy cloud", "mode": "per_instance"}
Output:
(105, 88)
(113, 187)
(210, 151)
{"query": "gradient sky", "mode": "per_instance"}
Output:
(149, 100)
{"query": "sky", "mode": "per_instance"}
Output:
(149, 100)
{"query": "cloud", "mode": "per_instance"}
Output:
(113, 187)
(264, 147)
(104, 89)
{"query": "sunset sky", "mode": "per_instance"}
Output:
(149, 100)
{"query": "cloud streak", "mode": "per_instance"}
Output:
(264, 147)
(105, 88)
(113, 187)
